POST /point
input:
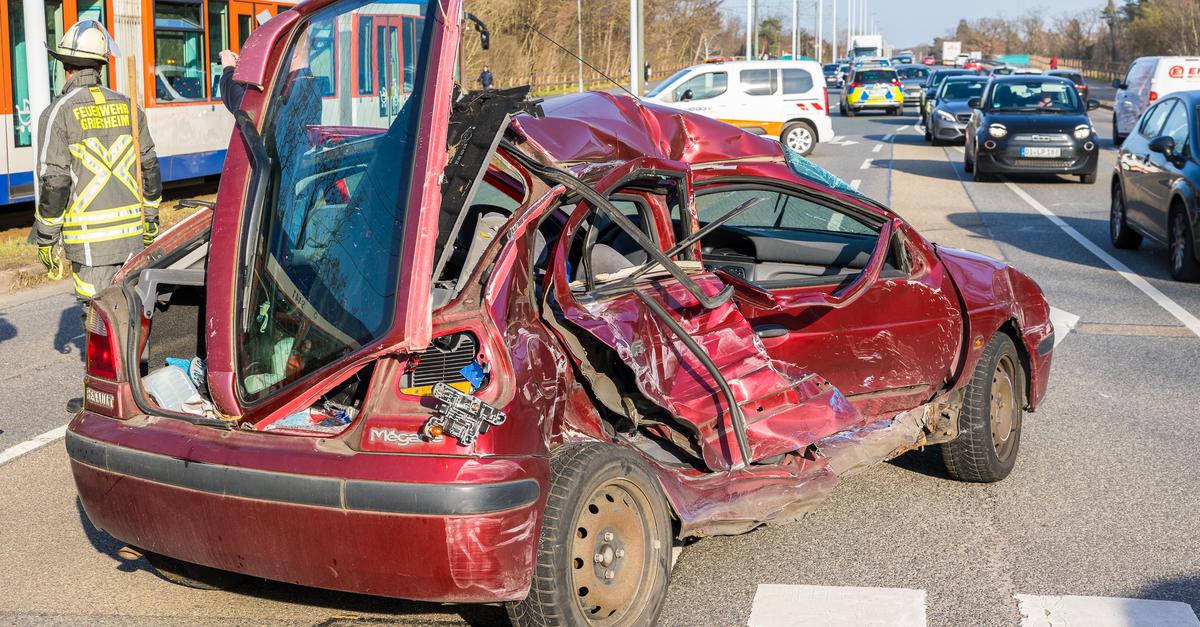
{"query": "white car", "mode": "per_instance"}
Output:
(1148, 79)
(787, 100)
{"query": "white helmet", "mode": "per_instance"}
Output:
(85, 43)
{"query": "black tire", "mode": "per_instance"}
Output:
(979, 176)
(989, 424)
(1119, 232)
(1087, 179)
(968, 165)
(194, 575)
(584, 542)
(792, 134)
(1118, 138)
(849, 112)
(928, 135)
(1184, 266)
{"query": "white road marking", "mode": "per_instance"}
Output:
(1173, 308)
(840, 140)
(866, 164)
(889, 137)
(28, 446)
(829, 606)
(675, 551)
(855, 183)
(1051, 611)
(902, 129)
(877, 148)
(1064, 322)
(961, 149)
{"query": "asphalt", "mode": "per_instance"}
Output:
(1102, 501)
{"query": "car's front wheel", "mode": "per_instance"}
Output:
(1118, 225)
(989, 423)
(1184, 266)
(604, 557)
(1087, 179)
(800, 137)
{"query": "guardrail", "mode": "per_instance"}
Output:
(1099, 70)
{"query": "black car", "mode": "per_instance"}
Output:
(931, 85)
(1081, 86)
(1156, 183)
(1031, 123)
(833, 74)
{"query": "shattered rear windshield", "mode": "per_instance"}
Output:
(323, 269)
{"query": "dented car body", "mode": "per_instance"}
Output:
(565, 334)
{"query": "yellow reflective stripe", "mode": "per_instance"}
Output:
(37, 214)
(153, 202)
(92, 236)
(123, 173)
(101, 176)
(111, 154)
(98, 217)
(83, 288)
(97, 95)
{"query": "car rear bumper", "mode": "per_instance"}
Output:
(325, 517)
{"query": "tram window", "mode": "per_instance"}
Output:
(54, 32)
(412, 43)
(218, 40)
(366, 29)
(22, 124)
(179, 52)
(322, 58)
(90, 10)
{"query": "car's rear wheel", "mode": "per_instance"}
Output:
(604, 557)
(849, 112)
(1184, 266)
(1118, 226)
(194, 575)
(799, 136)
(989, 423)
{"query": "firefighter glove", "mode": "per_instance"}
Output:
(150, 232)
(54, 269)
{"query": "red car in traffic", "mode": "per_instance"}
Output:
(469, 348)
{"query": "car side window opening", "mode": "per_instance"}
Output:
(601, 249)
(1152, 121)
(1176, 127)
(759, 82)
(703, 86)
(796, 81)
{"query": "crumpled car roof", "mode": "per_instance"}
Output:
(597, 127)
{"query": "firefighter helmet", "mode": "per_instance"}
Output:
(85, 43)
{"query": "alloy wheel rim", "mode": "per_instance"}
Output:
(799, 139)
(1178, 249)
(612, 552)
(1004, 408)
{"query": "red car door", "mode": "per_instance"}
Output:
(686, 358)
(889, 349)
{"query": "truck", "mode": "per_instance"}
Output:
(950, 51)
(866, 46)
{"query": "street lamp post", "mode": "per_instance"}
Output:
(579, 42)
(636, 49)
(749, 29)
(820, 29)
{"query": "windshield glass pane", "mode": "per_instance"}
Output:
(1035, 95)
(913, 72)
(323, 268)
(962, 90)
(875, 76)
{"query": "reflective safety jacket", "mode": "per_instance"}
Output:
(88, 184)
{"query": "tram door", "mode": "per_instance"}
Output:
(248, 16)
(389, 82)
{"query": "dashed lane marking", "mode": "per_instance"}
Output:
(877, 148)
(828, 606)
(29, 446)
(1164, 301)
(1064, 322)
(866, 164)
(1050, 611)
(855, 183)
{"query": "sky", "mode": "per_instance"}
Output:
(905, 24)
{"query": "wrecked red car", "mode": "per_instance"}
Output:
(472, 348)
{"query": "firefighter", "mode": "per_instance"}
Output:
(89, 197)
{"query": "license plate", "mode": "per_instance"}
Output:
(878, 91)
(1038, 151)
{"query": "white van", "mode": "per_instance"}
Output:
(1148, 79)
(786, 100)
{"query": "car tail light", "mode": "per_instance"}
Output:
(896, 83)
(1080, 87)
(102, 361)
(855, 85)
(1153, 96)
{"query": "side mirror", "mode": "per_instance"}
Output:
(1093, 104)
(1117, 84)
(975, 103)
(1164, 144)
(687, 95)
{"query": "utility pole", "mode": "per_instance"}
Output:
(795, 29)
(749, 29)
(849, 26)
(637, 50)
(579, 42)
(833, 40)
(820, 30)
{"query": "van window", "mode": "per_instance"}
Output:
(1152, 120)
(1139, 73)
(758, 82)
(797, 81)
(703, 86)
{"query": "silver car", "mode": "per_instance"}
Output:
(950, 114)
(912, 82)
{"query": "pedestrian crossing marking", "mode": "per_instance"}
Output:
(831, 606)
(1071, 611)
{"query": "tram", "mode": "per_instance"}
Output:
(177, 51)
